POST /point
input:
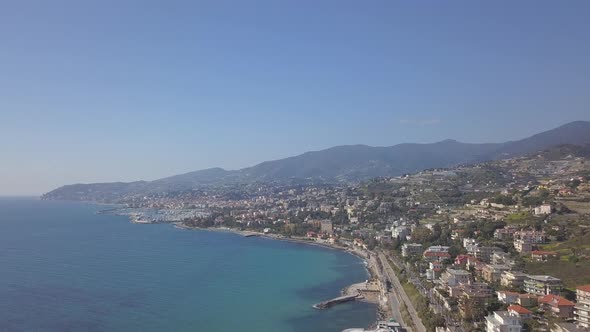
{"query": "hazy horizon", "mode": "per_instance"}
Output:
(108, 91)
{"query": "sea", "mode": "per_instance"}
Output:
(64, 267)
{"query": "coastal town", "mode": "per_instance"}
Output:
(496, 246)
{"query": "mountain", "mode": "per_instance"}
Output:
(340, 163)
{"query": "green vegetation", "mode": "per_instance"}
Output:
(429, 319)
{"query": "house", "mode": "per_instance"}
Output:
(506, 233)
(461, 261)
(453, 277)
(484, 254)
(542, 285)
(532, 236)
(492, 273)
(557, 305)
(519, 311)
(469, 244)
(472, 299)
(507, 297)
(434, 270)
(527, 300)
(503, 321)
(436, 253)
(411, 249)
(543, 256)
(543, 209)
(582, 308)
(512, 279)
(523, 246)
(500, 257)
(400, 232)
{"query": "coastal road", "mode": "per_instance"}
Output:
(392, 301)
(388, 271)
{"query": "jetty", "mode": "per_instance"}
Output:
(337, 300)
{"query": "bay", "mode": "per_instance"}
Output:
(65, 268)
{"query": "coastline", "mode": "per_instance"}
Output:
(370, 265)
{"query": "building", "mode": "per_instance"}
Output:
(400, 232)
(382, 326)
(523, 246)
(472, 299)
(543, 256)
(493, 273)
(512, 279)
(532, 236)
(500, 257)
(520, 311)
(582, 308)
(506, 233)
(326, 227)
(507, 297)
(557, 305)
(484, 254)
(411, 249)
(567, 327)
(469, 244)
(436, 253)
(542, 285)
(503, 321)
(543, 209)
(452, 277)
(434, 270)
(527, 300)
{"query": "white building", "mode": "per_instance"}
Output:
(543, 209)
(503, 321)
(582, 308)
(453, 277)
(469, 244)
(400, 232)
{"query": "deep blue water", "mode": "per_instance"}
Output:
(65, 268)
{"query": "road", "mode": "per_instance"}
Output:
(390, 274)
(427, 292)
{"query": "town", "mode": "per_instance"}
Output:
(496, 246)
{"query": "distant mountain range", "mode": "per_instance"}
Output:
(347, 163)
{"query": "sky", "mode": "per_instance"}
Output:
(100, 91)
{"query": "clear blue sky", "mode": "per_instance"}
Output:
(126, 90)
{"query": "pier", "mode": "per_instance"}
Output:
(337, 300)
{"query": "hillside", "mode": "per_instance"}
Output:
(341, 163)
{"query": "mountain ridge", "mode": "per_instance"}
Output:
(343, 163)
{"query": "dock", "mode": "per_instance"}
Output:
(337, 300)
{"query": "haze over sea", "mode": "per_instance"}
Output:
(65, 268)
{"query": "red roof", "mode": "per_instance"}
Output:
(520, 310)
(540, 252)
(555, 300)
(584, 288)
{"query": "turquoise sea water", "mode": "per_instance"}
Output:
(65, 268)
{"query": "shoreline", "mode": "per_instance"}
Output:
(374, 276)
